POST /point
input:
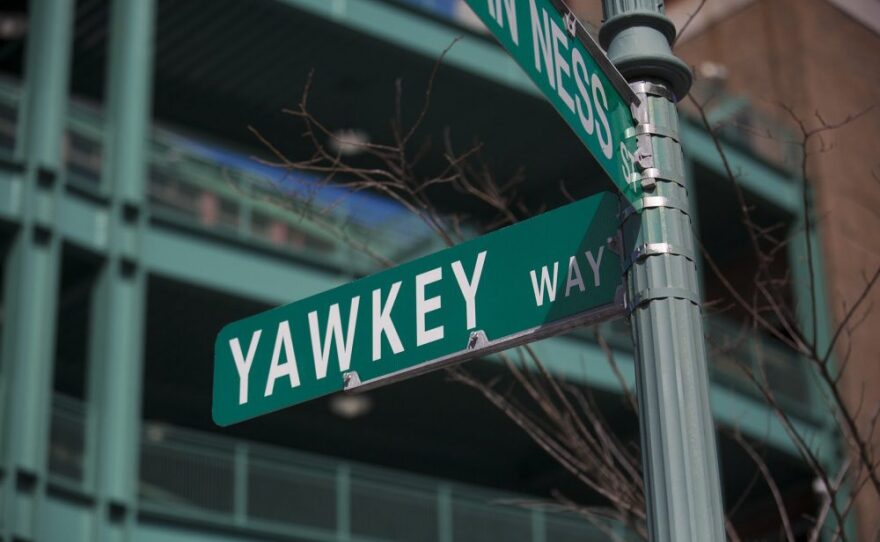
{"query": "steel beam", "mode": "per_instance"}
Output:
(32, 271)
(808, 275)
(119, 298)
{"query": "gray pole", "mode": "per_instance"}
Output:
(678, 437)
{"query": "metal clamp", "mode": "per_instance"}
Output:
(615, 243)
(650, 129)
(652, 89)
(648, 179)
(652, 202)
(650, 176)
(651, 294)
(477, 339)
(653, 249)
(479, 345)
(350, 380)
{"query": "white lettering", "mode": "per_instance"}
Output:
(545, 280)
(583, 102)
(496, 9)
(574, 276)
(542, 41)
(595, 263)
(334, 329)
(601, 106)
(627, 162)
(382, 323)
(276, 370)
(424, 306)
(469, 288)
(243, 364)
(561, 65)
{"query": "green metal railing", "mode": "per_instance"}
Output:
(193, 476)
(187, 190)
(734, 350)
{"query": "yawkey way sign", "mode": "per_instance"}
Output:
(515, 285)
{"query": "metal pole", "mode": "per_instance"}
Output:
(678, 436)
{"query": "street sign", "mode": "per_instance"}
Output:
(530, 280)
(569, 67)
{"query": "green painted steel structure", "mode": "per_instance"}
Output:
(118, 297)
(45, 205)
(33, 270)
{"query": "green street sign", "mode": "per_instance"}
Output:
(530, 280)
(569, 67)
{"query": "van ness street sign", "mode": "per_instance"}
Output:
(568, 66)
(530, 280)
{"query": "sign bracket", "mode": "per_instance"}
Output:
(479, 345)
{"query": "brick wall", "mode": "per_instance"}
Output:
(816, 58)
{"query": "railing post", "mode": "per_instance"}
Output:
(682, 486)
(808, 288)
(33, 270)
(343, 501)
(539, 525)
(240, 482)
(444, 513)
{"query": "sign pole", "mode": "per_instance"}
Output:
(679, 453)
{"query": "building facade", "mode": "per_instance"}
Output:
(816, 60)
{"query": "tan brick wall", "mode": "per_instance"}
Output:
(815, 58)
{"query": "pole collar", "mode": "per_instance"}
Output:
(615, 24)
(639, 42)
